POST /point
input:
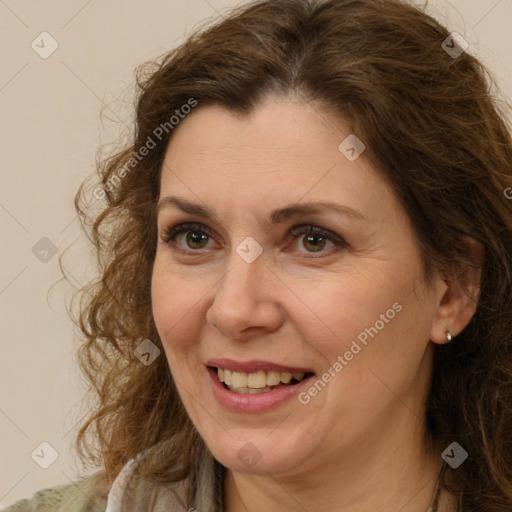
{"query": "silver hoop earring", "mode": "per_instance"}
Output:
(448, 335)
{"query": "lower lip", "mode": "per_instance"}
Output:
(260, 402)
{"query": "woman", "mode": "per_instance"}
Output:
(305, 300)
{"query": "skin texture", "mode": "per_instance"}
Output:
(359, 444)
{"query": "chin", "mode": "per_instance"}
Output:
(257, 453)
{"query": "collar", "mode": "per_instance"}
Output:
(131, 492)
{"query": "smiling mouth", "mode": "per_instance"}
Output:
(258, 382)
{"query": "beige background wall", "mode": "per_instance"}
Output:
(50, 130)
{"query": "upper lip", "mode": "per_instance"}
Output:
(254, 365)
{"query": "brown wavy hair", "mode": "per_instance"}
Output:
(435, 130)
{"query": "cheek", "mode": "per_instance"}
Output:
(366, 316)
(347, 305)
(176, 308)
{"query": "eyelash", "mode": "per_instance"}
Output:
(304, 229)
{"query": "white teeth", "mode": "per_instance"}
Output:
(248, 391)
(286, 377)
(273, 378)
(239, 380)
(255, 382)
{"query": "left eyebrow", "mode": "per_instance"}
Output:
(302, 209)
(276, 216)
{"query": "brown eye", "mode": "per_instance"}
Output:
(195, 239)
(195, 236)
(312, 241)
(315, 238)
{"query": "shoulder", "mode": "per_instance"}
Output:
(133, 492)
(87, 494)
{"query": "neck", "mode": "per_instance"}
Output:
(403, 479)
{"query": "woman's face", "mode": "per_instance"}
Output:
(249, 291)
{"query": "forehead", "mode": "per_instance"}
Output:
(284, 151)
(281, 129)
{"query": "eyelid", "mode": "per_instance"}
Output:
(317, 230)
(168, 234)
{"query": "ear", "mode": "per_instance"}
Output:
(458, 296)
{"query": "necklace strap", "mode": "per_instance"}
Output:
(435, 498)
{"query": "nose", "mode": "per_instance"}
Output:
(246, 302)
